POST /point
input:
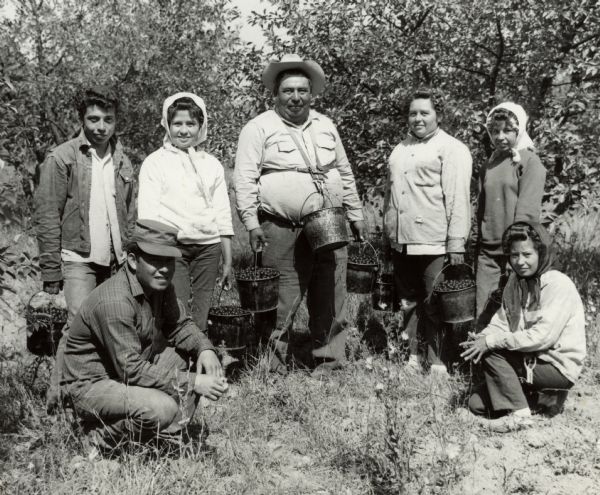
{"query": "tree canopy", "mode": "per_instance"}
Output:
(541, 54)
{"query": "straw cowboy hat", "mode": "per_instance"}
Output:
(293, 61)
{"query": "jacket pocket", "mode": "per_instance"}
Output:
(325, 148)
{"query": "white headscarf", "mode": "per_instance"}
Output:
(198, 101)
(196, 156)
(523, 139)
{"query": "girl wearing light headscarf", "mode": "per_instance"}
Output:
(184, 186)
(536, 340)
(511, 190)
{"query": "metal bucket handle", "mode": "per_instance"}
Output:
(38, 314)
(442, 271)
(323, 195)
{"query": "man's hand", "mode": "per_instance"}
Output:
(52, 287)
(475, 349)
(257, 239)
(209, 386)
(456, 258)
(209, 362)
(359, 229)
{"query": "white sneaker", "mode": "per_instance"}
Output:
(439, 370)
(413, 363)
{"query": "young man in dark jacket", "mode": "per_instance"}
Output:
(84, 208)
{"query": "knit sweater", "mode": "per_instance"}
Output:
(509, 192)
(555, 333)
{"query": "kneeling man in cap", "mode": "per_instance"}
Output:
(290, 161)
(131, 349)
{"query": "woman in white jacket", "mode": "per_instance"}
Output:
(427, 218)
(184, 187)
(536, 340)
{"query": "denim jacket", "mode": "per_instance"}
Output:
(62, 202)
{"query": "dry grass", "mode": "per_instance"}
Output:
(374, 427)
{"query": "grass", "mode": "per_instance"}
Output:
(374, 427)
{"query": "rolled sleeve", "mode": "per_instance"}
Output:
(150, 181)
(248, 161)
(351, 200)
(222, 204)
(456, 184)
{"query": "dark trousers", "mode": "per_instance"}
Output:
(505, 373)
(195, 277)
(491, 268)
(414, 276)
(321, 278)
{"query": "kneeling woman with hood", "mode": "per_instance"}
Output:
(536, 340)
(183, 186)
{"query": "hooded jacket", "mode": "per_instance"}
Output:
(511, 187)
(186, 189)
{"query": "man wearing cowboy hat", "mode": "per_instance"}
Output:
(289, 161)
(131, 349)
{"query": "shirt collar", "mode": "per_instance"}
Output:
(134, 284)
(86, 147)
(312, 115)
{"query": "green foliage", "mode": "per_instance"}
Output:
(542, 55)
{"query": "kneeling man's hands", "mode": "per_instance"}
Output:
(210, 386)
(209, 362)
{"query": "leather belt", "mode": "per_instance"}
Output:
(302, 170)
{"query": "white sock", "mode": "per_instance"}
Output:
(525, 412)
(413, 359)
(439, 368)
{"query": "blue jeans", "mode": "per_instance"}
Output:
(320, 277)
(195, 278)
(79, 280)
(112, 412)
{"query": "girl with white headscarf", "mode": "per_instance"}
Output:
(511, 190)
(183, 186)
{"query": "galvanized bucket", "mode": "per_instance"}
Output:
(326, 229)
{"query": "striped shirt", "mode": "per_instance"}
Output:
(119, 331)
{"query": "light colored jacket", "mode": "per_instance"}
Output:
(265, 143)
(428, 192)
(186, 189)
(555, 332)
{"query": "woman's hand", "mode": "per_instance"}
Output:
(456, 258)
(209, 362)
(475, 349)
(359, 229)
(226, 274)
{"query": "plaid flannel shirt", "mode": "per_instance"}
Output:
(118, 332)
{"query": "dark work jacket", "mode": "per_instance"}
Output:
(62, 202)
